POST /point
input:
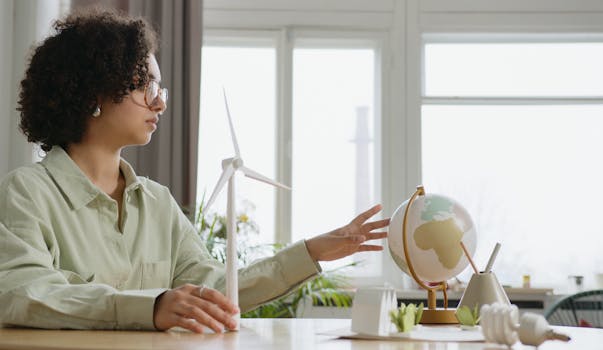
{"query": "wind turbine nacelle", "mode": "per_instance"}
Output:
(235, 161)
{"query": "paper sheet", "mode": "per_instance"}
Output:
(423, 333)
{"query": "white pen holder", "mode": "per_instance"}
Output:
(370, 310)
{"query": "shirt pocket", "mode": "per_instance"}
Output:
(156, 274)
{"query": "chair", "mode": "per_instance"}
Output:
(584, 309)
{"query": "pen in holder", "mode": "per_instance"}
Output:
(483, 287)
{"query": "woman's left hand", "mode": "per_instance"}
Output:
(348, 239)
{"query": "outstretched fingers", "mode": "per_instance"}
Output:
(360, 219)
(369, 226)
(376, 235)
(369, 248)
(357, 240)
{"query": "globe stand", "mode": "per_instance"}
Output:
(432, 315)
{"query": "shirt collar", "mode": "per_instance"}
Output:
(133, 182)
(76, 186)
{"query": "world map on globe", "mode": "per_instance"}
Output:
(436, 225)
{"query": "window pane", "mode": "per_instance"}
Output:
(531, 178)
(248, 75)
(518, 69)
(333, 140)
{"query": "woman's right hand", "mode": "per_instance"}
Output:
(192, 307)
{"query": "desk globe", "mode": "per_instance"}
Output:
(424, 241)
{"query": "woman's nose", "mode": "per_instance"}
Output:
(159, 106)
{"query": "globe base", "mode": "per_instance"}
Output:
(439, 316)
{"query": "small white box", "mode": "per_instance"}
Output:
(370, 310)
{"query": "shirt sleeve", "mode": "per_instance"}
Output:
(36, 293)
(259, 283)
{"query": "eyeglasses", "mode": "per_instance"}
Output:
(153, 93)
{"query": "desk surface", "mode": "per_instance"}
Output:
(264, 334)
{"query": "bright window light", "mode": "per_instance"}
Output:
(333, 141)
(333, 153)
(248, 76)
(530, 175)
(514, 69)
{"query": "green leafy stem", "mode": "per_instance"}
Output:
(466, 316)
(406, 316)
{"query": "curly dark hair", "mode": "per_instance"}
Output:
(93, 54)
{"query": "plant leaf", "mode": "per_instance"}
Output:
(402, 308)
(393, 316)
(475, 314)
(419, 313)
(404, 317)
(408, 321)
(397, 316)
(464, 315)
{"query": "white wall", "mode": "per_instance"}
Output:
(23, 23)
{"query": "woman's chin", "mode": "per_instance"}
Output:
(146, 141)
(142, 140)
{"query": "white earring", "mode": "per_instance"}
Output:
(97, 112)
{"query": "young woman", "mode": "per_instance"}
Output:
(84, 242)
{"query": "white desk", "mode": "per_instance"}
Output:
(260, 334)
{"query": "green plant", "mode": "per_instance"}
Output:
(406, 316)
(212, 229)
(467, 317)
(328, 288)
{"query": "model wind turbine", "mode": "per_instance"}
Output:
(230, 166)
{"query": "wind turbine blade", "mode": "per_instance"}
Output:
(226, 174)
(255, 175)
(232, 132)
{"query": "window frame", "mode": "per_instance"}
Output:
(403, 25)
(505, 38)
(439, 23)
(304, 38)
(474, 20)
(285, 41)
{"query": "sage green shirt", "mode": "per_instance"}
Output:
(66, 262)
